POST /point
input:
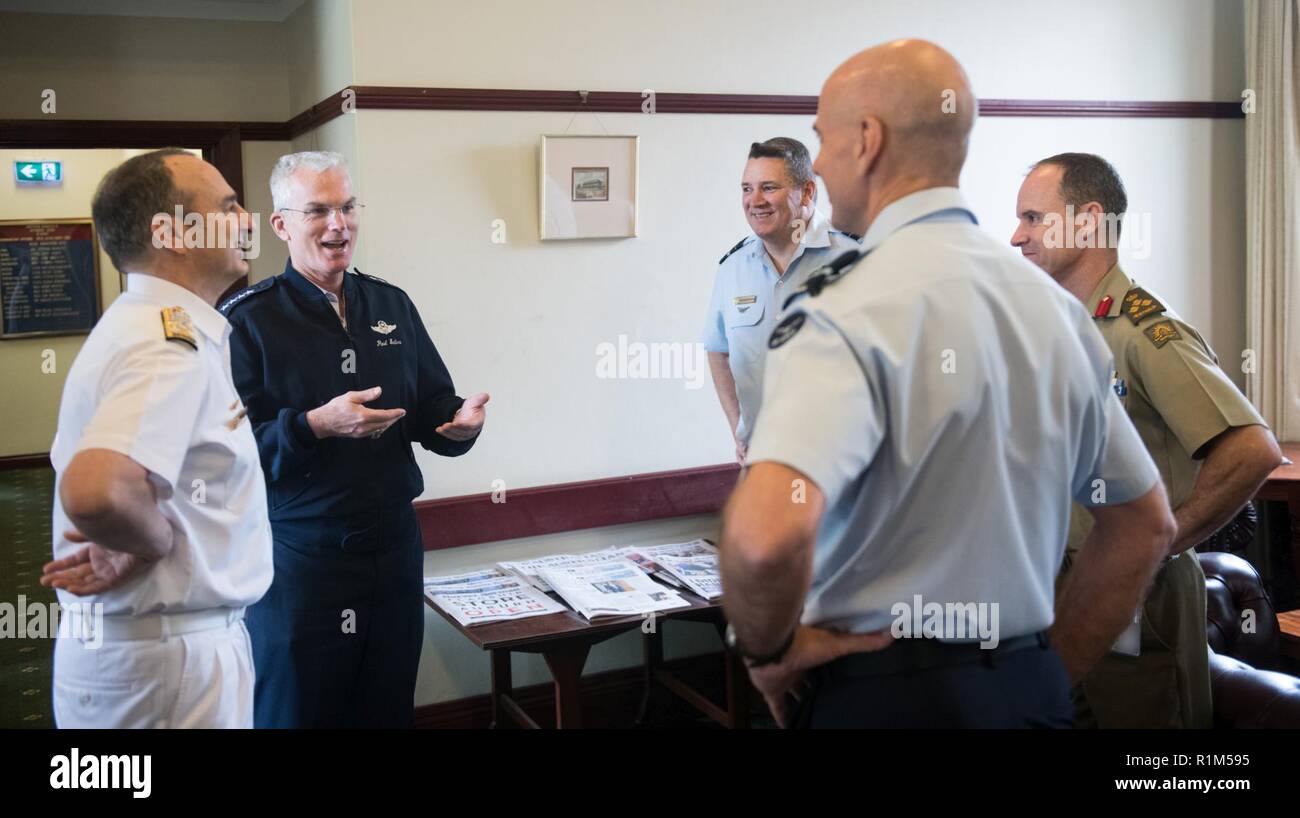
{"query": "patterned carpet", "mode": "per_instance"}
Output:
(25, 503)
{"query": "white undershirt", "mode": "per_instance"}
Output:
(334, 302)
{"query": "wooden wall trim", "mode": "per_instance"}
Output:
(414, 98)
(265, 131)
(473, 518)
(221, 142)
(1096, 108)
(106, 133)
(491, 99)
(112, 133)
(25, 461)
(495, 99)
(455, 521)
(318, 114)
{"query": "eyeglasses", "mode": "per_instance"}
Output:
(349, 212)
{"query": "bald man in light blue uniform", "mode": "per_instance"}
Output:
(791, 240)
(930, 410)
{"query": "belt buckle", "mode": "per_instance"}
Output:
(85, 626)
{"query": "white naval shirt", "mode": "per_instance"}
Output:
(173, 410)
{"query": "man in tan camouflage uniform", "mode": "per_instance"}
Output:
(1210, 444)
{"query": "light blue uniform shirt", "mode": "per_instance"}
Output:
(949, 399)
(747, 296)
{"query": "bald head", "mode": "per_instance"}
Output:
(893, 119)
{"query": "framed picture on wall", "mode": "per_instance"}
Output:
(49, 277)
(588, 186)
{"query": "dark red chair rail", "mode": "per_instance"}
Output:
(54, 132)
(528, 512)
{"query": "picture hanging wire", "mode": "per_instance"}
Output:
(584, 94)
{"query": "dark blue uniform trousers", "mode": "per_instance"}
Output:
(336, 640)
(924, 683)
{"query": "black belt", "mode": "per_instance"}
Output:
(912, 655)
(375, 530)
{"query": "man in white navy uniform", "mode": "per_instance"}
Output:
(925, 425)
(791, 239)
(160, 510)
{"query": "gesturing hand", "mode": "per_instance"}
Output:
(468, 420)
(347, 416)
(92, 570)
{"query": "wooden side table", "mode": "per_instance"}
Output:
(1289, 624)
(565, 639)
(1283, 487)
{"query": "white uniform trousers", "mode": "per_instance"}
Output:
(155, 671)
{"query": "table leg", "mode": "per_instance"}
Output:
(566, 669)
(501, 686)
(652, 649)
(737, 692)
(737, 685)
(1293, 515)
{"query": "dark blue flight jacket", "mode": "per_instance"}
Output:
(289, 354)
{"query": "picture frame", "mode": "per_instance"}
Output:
(588, 186)
(49, 277)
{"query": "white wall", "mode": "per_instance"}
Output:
(142, 68)
(29, 401)
(1185, 177)
(1051, 49)
(521, 320)
(29, 404)
(318, 39)
(259, 158)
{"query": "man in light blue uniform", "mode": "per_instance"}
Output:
(925, 426)
(791, 240)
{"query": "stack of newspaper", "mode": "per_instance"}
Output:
(530, 570)
(487, 595)
(611, 582)
(692, 565)
(598, 583)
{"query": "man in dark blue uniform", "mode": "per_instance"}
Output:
(340, 377)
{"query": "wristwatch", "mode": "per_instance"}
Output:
(733, 645)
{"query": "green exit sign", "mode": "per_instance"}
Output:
(39, 173)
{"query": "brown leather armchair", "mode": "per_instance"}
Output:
(1247, 692)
